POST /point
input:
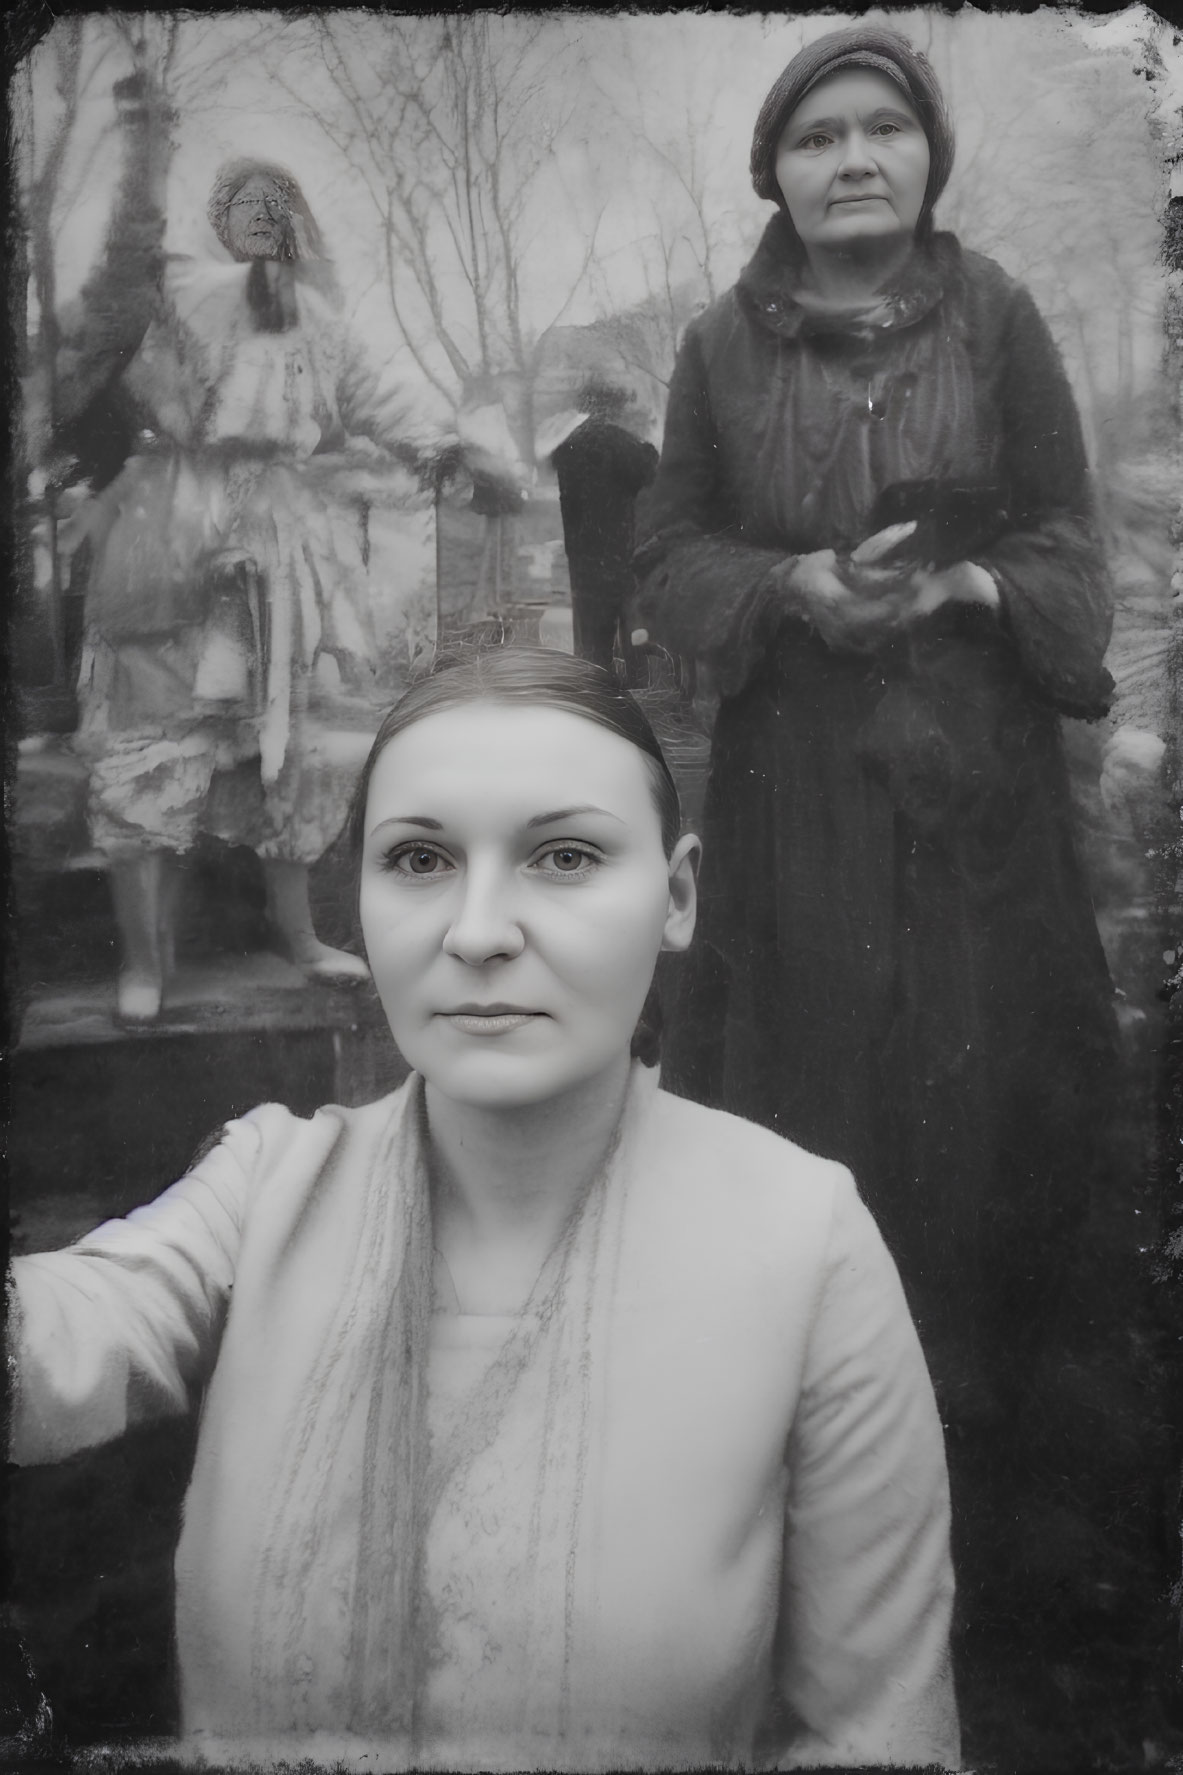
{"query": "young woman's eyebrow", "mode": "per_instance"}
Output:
(548, 819)
(569, 813)
(424, 820)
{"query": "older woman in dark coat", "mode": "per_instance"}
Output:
(872, 521)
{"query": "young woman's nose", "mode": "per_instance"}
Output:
(485, 927)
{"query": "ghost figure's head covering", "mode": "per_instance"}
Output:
(863, 46)
(303, 235)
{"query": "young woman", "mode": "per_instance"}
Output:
(548, 1421)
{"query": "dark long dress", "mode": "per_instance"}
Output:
(897, 962)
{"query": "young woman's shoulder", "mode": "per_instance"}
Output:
(740, 1160)
(719, 1130)
(746, 1216)
(357, 1120)
(271, 1142)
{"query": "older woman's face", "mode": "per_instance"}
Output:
(514, 897)
(852, 163)
(257, 222)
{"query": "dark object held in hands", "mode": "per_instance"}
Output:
(953, 522)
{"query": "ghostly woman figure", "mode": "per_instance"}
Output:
(229, 627)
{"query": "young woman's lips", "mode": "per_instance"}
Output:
(496, 1020)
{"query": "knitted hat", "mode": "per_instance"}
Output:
(862, 46)
(304, 234)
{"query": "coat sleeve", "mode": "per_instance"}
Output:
(867, 1597)
(1057, 597)
(125, 1325)
(704, 592)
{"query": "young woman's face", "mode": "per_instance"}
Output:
(852, 163)
(514, 898)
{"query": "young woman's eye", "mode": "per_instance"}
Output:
(566, 859)
(416, 860)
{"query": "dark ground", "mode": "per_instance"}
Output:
(1081, 1676)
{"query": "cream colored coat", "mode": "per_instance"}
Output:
(732, 1548)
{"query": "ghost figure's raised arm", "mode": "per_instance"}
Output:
(405, 415)
(101, 332)
(415, 423)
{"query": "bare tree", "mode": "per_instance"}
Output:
(46, 126)
(42, 172)
(643, 338)
(449, 127)
(1055, 176)
(688, 237)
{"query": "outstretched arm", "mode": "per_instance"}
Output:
(421, 431)
(865, 1676)
(125, 1324)
(406, 418)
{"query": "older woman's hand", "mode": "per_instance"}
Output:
(850, 605)
(962, 583)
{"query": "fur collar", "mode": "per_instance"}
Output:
(768, 286)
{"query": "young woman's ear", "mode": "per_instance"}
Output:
(683, 907)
